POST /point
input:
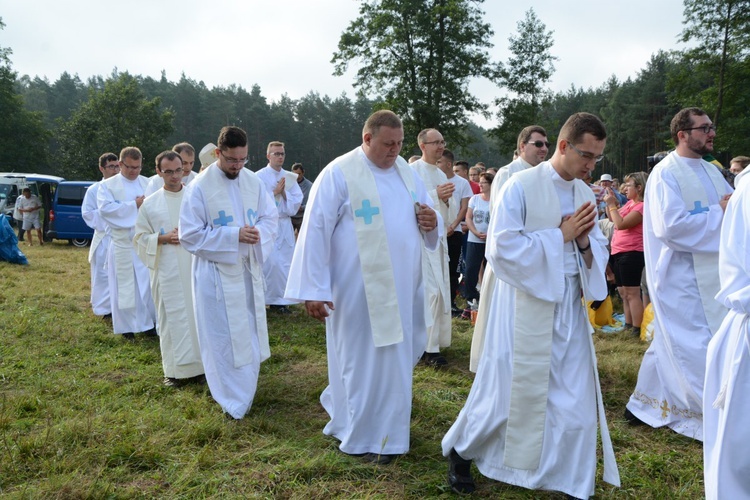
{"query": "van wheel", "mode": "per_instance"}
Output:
(80, 242)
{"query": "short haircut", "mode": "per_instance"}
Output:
(131, 152)
(183, 147)
(447, 153)
(107, 157)
(167, 155)
(475, 169)
(488, 176)
(298, 166)
(423, 134)
(683, 120)
(274, 144)
(231, 137)
(579, 124)
(479, 164)
(744, 161)
(382, 118)
(462, 164)
(525, 135)
(26, 190)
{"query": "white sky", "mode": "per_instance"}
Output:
(285, 46)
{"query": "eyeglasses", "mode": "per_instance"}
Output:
(277, 154)
(172, 172)
(539, 144)
(441, 143)
(705, 128)
(585, 154)
(112, 167)
(129, 167)
(234, 161)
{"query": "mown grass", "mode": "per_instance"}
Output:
(84, 414)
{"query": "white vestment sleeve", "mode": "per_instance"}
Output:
(267, 223)
(290, 205)
(89, 210)
(119, 215)
(146, 240)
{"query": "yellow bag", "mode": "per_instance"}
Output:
(603, 315)
(647, 325)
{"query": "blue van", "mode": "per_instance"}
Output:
(65, 218)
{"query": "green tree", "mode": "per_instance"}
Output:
(119, 115)
(525, 75)
(23, 136)
(419, 56)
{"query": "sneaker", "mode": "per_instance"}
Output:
(434, 359)
(172, 382)
(459, 474)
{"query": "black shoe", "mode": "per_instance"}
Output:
(632, 419)
(107, 317)
(173, 382)
(434, 359)
(459, 474)
(377, 458)
(198, 379)
(151, 333)
(280, 309)
(129, 336)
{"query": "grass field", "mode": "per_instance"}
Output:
(83, 413)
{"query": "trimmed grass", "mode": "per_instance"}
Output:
(84, 414)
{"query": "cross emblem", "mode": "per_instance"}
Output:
(367, 211)
(252, 217)
(698, 208)
(223, 219)
(664, 409)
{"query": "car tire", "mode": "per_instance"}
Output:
(79, 242)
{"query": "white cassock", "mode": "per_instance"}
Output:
(276, 265)
(169, 266)
(681, 248)
(489, 281)
(726, 398)
(227, 281)
(156, 182)
(548, 440)
(129, 288)
(435, 264)
(100, 300)
(369, 394)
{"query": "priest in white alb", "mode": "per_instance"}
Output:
(100, 300)
(158, 246)
(683, 210)
(118, 201)
(187, 153)
(726, 396)
(358, 267)
(531, 416)
(228, 223)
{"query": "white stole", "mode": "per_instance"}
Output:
(122, 244)
(372, 244)
(220, 213)
(706, 265)
(532, 340)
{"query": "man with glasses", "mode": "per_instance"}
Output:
(683, 211)
(118, 199)
(187, 154)
(100, 300)
(288, 198)
(158, 246)
(228, 223)
(435, 264)
(531, 416)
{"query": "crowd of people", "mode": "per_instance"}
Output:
(374, 249)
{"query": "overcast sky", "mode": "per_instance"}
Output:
(285, 46)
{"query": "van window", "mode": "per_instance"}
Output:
(70, 195)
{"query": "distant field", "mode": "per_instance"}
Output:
(84, 414)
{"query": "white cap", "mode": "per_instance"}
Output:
(606, 177)
(208, 155)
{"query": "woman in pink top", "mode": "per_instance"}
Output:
(626, 259)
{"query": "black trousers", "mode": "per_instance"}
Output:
(455, 242)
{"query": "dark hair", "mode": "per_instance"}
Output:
(525, 134)
(579, 124)
(183, 147)
(167, 155)
(103, 159)
(488, 176)
(231, 137)
(463, 164)
(299, 167)
(447, 153)
(683, 120)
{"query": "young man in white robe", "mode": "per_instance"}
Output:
(531, 416)
(683, 211)
(283, 187)
(158, 246)
(228, 223)
(358, 267)
(187, 153)
(726, 396)
(435, 264)
(532, 147)
(118, 200)
(100, 300)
